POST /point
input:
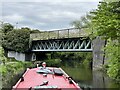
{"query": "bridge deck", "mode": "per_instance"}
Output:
(59, 34)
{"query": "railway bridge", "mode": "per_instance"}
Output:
(61, 40)
(71, 39)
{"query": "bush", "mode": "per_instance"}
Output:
(113, 55)
(10, 70)
(53, 62)
(3, 59)
(17, 40)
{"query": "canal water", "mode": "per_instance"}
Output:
(86, 78)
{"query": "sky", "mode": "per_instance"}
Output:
(44, 15)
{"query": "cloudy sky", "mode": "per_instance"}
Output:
(45, 15)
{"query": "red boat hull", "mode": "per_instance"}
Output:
(32, 79)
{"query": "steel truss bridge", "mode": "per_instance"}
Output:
(67, 40)
(61, 40)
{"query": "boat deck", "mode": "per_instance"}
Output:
(33, 79)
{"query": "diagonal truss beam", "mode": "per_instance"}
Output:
(63, 45)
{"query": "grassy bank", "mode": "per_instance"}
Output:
(12, 71)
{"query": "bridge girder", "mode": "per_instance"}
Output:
(74, 44)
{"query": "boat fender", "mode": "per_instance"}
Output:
(30, 88)
(70, 80)
(22, 79)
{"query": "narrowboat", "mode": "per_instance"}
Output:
(49, 78)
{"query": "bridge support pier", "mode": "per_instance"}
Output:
(98, 53)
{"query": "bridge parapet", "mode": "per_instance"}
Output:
(59, 34)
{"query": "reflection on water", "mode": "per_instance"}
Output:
(87, 78)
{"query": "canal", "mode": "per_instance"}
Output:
(86, 78)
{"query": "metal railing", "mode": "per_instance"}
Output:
(58, 34)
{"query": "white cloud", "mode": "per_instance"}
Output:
(45, 15)
(13, 18)
(58, 15)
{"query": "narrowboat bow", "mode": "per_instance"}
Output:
(49, 78)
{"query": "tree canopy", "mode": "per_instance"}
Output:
(17, 40)
(106, 20)
(6, 27)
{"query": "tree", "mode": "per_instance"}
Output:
(84, 22)
(17, 40)
(25, 28)
(106, 23)
(106, 20)
(3, 59)
(35, 31)
(6, 27)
